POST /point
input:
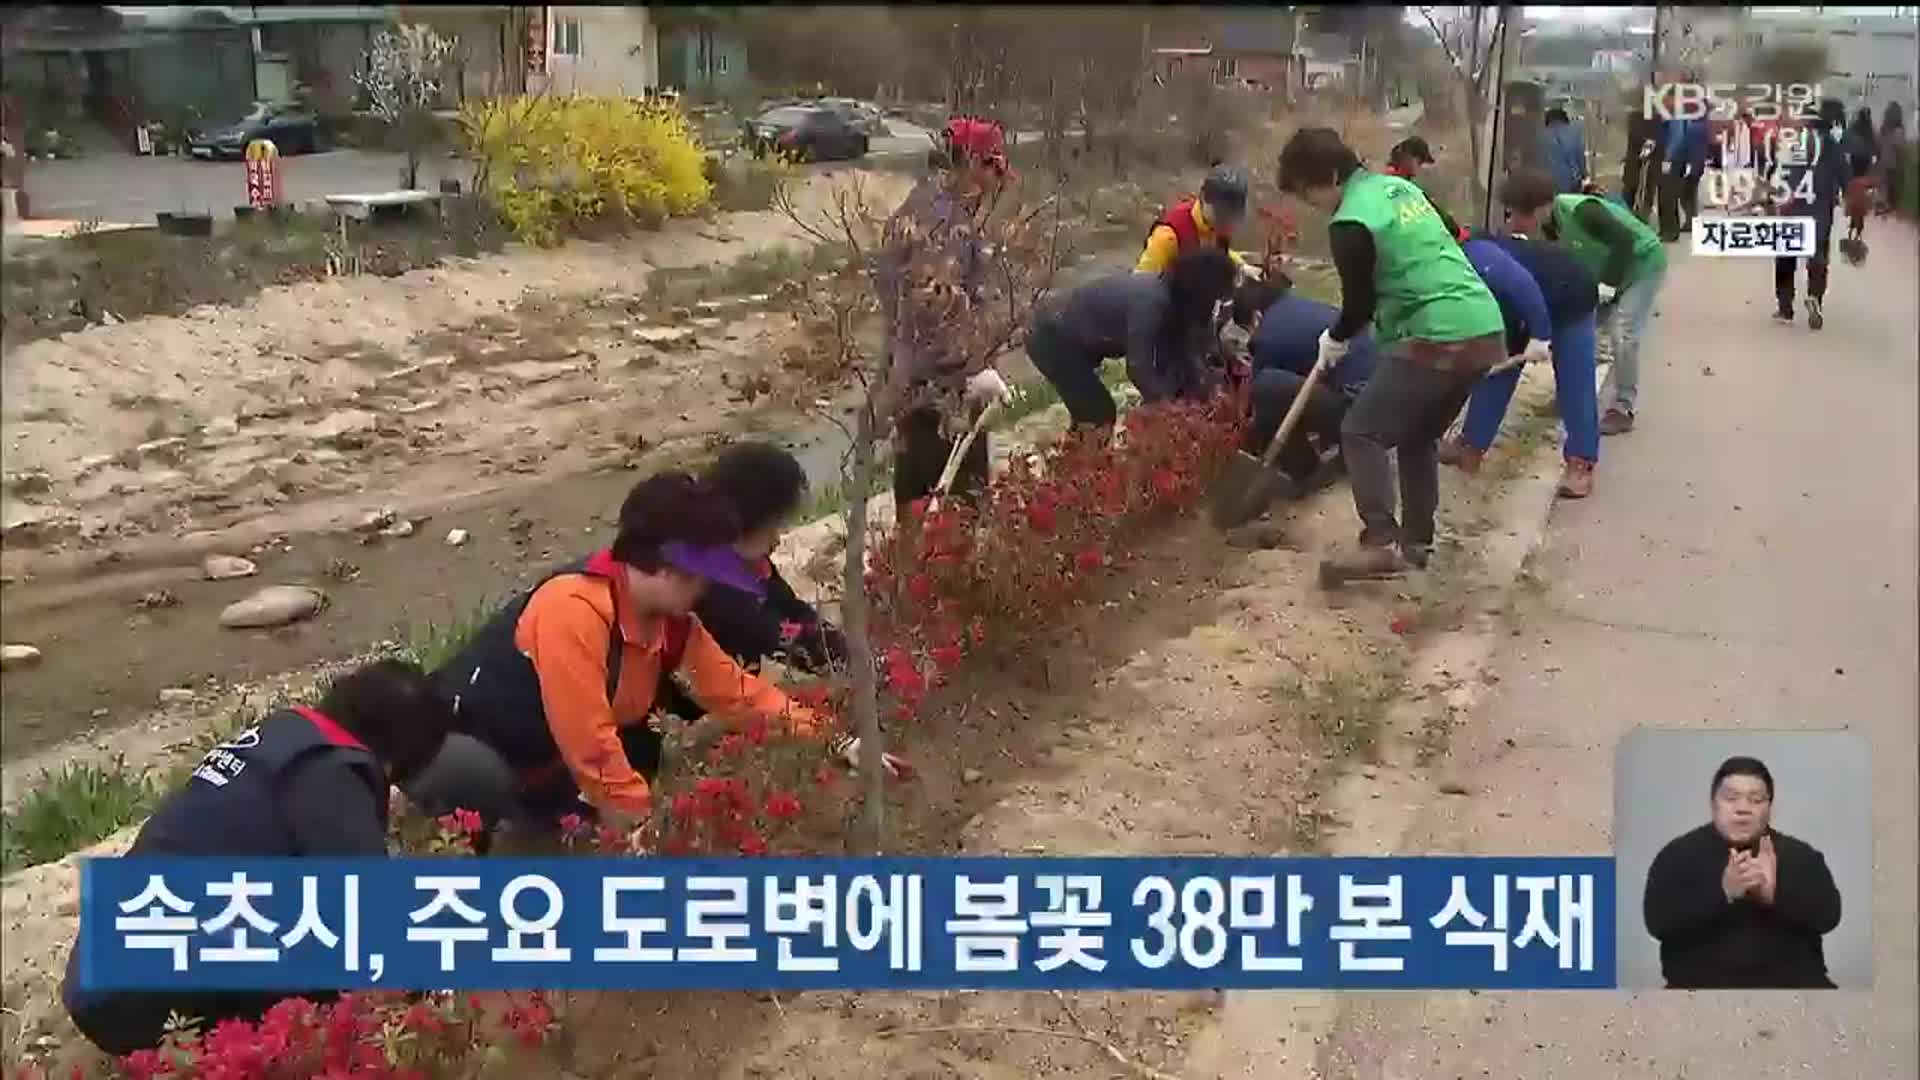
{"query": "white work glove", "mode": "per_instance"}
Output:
(988, 388)
(1536, 352)
(1331, 351)
(1607, 293)
(1252, 272)
(847, 749)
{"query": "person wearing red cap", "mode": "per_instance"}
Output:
(929, 390)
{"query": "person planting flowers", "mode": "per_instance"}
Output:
(552, 696)
(1438, 328)
(936, 233)
(311, 782)
(1162, 323)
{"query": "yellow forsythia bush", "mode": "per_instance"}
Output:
(552, 164)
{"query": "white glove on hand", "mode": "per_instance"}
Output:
(988, 388)
(1331, 351)
(1252, 272)
(1536, 352)
(848, 750)
(1607, 293)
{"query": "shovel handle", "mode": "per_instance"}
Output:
(1292, 419)
(959, 454)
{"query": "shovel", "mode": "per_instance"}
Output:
(959, 455)
(1250, 484)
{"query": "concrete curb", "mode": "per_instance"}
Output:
(1276, 1034)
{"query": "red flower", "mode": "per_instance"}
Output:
(1089, 559)
(789, 630)
(1401, 624)
(573, 825)
(683, 806)
(904, 679)
(1165, 483)
(733, 745)
(1042, 518)
(753, 844)
(946, 657)
(782, 805)
(422, 1018)
(920, 587)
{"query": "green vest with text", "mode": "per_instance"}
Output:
(1427, 289)
(1591, 252)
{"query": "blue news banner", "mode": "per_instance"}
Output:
(817, 923)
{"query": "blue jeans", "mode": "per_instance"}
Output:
(1629, 329)
(1573, 389)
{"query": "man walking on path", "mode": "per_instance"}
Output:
(1815, 175)
(1566, 153)
(1627, 260)
(1439, 331)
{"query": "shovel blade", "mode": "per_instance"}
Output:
(1245, 490)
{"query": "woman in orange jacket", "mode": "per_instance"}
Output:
(552, 697)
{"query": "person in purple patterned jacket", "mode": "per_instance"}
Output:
(929, 390)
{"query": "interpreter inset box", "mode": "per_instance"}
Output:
(1744, 860)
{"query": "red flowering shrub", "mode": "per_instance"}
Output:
(372, 1035)
(947, 582)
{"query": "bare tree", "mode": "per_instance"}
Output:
(1468, 38)
(887, 264)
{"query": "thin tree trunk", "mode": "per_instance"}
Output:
(853, 609)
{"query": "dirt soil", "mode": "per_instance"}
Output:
(510, 397)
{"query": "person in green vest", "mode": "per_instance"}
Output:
(1436, 325)
(1621, 252)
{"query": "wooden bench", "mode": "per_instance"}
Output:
(381, 204)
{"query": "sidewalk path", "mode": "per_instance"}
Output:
(1748, 559)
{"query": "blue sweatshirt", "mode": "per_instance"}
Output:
(1522, 306)
(1570, 292)
(1289, 338)
(1566, 158)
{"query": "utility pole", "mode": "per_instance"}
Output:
(1503, 28)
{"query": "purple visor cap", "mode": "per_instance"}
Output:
(717, 563)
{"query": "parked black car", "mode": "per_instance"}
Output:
(805, 133)
(293, 130)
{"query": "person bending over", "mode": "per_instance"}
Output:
(305, 781)
(1737, 904)
(1571, 296)
(1162, 323)
(552, 696)
(1285, 346)
(1439, 331)
(1628, 264)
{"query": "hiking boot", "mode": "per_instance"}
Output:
(1576, 481)
(1417, 555)
(1815, 317)
(1617, 421)
(1461, 455)
(1355, 563)
(1784, 312)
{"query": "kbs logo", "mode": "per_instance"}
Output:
(1723, 101)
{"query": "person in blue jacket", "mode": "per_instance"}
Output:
(1572, 297)
(1285, 345)
(1687, 142)
(1566, 153)
(303, 782)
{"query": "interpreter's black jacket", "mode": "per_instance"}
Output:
(1707, 943)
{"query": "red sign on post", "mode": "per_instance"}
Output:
(263, 174)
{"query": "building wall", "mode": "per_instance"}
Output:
(618, 51)
(706, 66)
